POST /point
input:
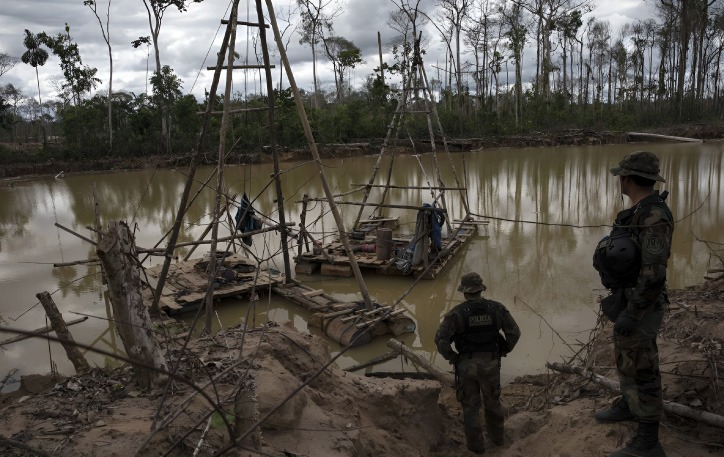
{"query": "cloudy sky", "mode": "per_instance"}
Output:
(187, 38)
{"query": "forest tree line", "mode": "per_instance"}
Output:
(584, 74)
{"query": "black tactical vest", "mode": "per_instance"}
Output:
(617, 257)
(480, 321)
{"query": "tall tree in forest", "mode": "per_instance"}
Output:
(598, 36)
(619, 59)
(567, 25)
(317, 16)
(549, 13)
(406, 21)
(106, 32)
(455, 12)
(35, 55)
(717, 25)
(7, 62)
(344, 56)
(481, 18)
(156, 10)
(516, 32)
(166, 90)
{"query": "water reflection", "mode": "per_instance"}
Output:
(547, 208)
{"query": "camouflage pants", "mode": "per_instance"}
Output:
(479, 373)
(637, 360)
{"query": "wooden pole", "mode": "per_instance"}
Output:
(76, 234)
(669, 406)
(374, 361)
(225, 122)
(218, 240)
(302, 229)
(445, 378)
(317, 159)
(664, 137)
(273, 143)
(382, 65)
(40, 331)
(61, 329)
(412, 187)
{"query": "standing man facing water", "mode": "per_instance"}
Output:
(632, 264)
(474, 327)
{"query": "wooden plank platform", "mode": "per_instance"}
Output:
(336, 262)
(346, 323)
(187, 281)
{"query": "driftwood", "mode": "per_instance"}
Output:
(117, 252)
(664, 137)
(374, 361)
(444, 378)
(61, 329)
(40, 331)
(669, 406)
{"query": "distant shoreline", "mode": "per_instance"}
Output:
(563, 137)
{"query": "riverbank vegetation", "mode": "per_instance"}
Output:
(660, 72)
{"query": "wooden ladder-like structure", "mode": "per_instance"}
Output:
(416, 88)
(225, 62)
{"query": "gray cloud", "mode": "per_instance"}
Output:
(187, 38)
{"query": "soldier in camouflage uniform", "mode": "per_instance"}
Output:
(636, 274)
(474, 327)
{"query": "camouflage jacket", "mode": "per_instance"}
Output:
(452, 326)
(652, 224)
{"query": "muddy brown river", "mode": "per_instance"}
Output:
(547, 208)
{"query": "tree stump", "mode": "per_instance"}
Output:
(117, 252)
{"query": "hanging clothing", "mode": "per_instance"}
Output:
(245, 220)
(428, 224)
(437, 220)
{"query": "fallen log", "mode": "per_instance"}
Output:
(61, 330)
(665, 137)
(670, 407)
(444, 378)
(374, 361)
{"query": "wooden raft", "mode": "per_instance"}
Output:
(187, 281)
(333, 261)
(345, 322)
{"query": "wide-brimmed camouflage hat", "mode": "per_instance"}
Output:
(639, 163)
(471, 283)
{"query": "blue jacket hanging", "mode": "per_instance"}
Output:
(437, 219)
(245, 221)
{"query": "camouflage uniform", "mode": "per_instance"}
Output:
(474, 326)
(637, 356)
(642, 296)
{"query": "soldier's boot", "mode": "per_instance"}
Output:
(618, 412)
(473, 430)
(475, 440)
(644, 444)
(497, 435)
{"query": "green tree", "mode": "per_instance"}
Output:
(35, 55)
(156, 10)
(166, 90)
(344, 56)
(315, 21)
(79, 78)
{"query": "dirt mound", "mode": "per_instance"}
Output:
(344, 414)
